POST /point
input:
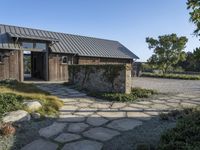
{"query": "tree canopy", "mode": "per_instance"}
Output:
(194, 6)
(168, 51)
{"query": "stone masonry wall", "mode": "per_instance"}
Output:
(101, 78)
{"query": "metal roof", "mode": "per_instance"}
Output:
(65, 43)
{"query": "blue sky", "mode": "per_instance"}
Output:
(128, 21)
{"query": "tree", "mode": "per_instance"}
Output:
(168, 51)
(194, 6)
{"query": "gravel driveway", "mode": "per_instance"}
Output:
(168, 85)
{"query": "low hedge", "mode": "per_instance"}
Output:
(186, 134)
(171, 76)
(122, 97)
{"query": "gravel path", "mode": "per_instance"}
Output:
(168, 85)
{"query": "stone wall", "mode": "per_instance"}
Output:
(102, 78)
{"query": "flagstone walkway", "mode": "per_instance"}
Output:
(85, 123)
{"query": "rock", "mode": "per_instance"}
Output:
(52, 130)
(124, 124)
(83, 145)
(67, 137)
(40, 145)
(35, 115)
(102, 134)
(32, 105)
(16, 116)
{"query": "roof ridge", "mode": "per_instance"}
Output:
(59, 32)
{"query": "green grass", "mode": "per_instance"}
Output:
(15, 92)
(121, 97)
(172, 76)
(186, 134)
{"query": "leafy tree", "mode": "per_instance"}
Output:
(194, 6)
(168, 51)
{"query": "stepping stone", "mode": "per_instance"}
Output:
(96, 120)
(131, 109)
(119, 105)
(83, 145)
(84, 113)
(40, 145)
(138, 115)
(100, 105)
(52, 130)
(83, 104)
(67, 137)
(102, 134)
(188, 105)
(71, 118)
(160, 106)
(112, 115)
(68, 108)
(124, 124)
(138, 106)
(77, 127)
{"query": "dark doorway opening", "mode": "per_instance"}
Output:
(35, 67)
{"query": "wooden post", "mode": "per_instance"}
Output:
(21, 65)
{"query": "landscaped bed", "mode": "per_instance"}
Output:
(13, 94)
(133, 96)
(171, 76)
(186, 134)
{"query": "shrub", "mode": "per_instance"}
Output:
(186, 134)
(122, 97)
(10, 102)
(171, 76)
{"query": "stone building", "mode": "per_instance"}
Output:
(52, 52)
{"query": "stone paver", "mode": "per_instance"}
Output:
(124, 124)
(83, 145)
(67, 137)
(70, 118)
(40, 145)
(112, 115)
(51, 130)
(138, 115)
(77, 127)
(96, 120)
(102, 134)
(85, 120)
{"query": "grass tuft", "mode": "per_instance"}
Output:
(51, 104)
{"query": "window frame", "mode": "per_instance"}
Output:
(62, 59)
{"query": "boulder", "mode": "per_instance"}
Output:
(32, 105)
(16, 116)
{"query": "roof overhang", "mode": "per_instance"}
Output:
(30, 37)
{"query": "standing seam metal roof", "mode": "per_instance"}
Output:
(65, 43)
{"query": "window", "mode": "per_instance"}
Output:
(27, 45)
(31, 45)
(40, 45)
(1, 58)
(64, 60)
